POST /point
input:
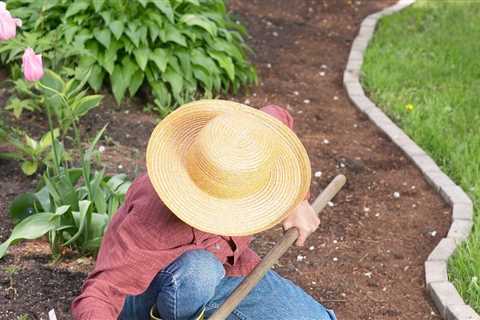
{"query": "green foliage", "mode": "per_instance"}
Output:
(424, 57)
(180, 48)
(72, 206)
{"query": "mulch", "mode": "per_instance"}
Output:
(366, 259)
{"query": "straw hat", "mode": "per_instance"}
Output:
(226, 168)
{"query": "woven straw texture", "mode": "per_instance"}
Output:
(226, 168)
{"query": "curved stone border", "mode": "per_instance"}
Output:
(445, 296)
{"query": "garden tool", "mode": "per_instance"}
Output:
(274, 254)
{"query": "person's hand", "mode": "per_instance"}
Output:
(304, 218)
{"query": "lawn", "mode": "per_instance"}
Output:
(422, 68)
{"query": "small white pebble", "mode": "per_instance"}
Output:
(311, 248)
(377, 214)
(247, 101)
(325, 141)
(322, 73)
(331, 204)
(126, 111)
(306, 101)
(433, 233)
(368, 274)
(335, 98)
(318, 174)
(120, 166)
(335, 241)
(343, 294)
(310, 9)
(269, 23)
(254, 94)
(300, 258)
(335, 259)
(269, 65)
(396, 194)
(384, 289)
(300, 111)
(414, 205)
(296, 93)
(275, 33)
(342, 165)
(413, 187)
(324, 66)
(314, 282)
(355, 125)
(366, 209)
(101, 149)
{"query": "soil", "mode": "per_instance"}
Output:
(366, 259)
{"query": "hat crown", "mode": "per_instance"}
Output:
(231, 156)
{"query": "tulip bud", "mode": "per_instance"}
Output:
(8, 25)
(32, 65)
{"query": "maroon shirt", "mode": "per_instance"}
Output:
(143, 237)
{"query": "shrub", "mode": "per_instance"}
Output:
(181, 48)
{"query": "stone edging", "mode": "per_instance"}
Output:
(445, 296)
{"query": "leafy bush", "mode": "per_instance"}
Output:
(73, 206)
(178, 47)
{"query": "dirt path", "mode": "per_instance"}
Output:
(366, 260)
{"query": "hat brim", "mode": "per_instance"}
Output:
(166, 152)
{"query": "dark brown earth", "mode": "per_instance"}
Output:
(366, 259)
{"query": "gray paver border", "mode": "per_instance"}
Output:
(443, 293)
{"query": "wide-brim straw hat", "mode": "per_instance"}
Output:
(227, 168)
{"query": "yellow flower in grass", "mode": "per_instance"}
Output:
(409, 107)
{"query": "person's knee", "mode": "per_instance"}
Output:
(194, 277)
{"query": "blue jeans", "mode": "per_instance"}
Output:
(196, 280)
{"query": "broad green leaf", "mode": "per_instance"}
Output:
(98, 5)
(199, 21)
(75, 8)
(82, 220)
(226, 63)
(96, 78)
(175, 80)
(135, 82)
(85, 104)
(165, 7)
(141, 56)
(43, 197)
(22, 207)
(52, 82)
(30, 228)
(32, 143)
(103, 36)
(117, 28)
(143, 2)
(171, 33)
(160, 57)
(119, 83)
(46, 139)
(70, 32)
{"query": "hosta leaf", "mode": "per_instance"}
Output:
(119, 83)
(226, 63)
(75, 8)
(98, 5)
(160, 57)
(171, 33)
(165, 7)
(175, 80)
(53, 82)
(46, 140)
(136, 82)
(141, 56)
(96, 78)
(103, 36)
(143, 2)
(70, 32)
(32, 227)
(199, 21)
(85, 104)
(117, 28)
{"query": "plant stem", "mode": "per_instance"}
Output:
(55, 154)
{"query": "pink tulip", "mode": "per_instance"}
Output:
(8, 25)
(32, 65)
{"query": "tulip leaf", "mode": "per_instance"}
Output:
(30, 228)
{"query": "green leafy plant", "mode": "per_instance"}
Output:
(180, 48)
(32, 153)
(68, 101)
(73, 206)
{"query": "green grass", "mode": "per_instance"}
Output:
(428, 56)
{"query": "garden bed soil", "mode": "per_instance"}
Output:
(366, 259)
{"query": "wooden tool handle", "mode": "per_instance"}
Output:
(274, 254)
